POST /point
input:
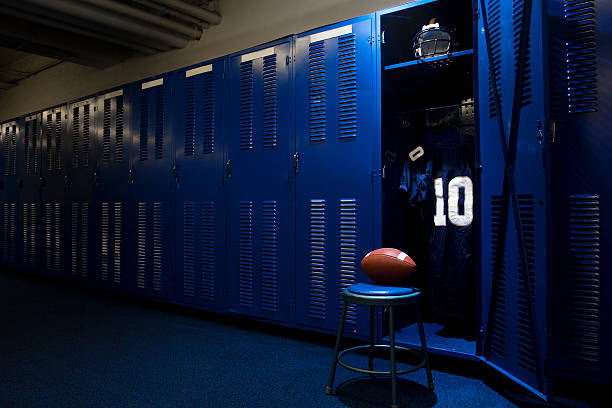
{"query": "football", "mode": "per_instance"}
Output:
(387, 265)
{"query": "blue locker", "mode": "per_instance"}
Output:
(259, 180)
(514, 231)
(10, 166)
(151, 205)
(336, 139)
(200, 144)
(54, 180)
(29, 204)
(79, 197)
(111, 184)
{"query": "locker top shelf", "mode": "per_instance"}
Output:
(432, 59)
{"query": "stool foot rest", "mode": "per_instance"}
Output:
(364, 371)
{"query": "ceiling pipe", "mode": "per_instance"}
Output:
(198, 12)
(28, 16)
(170, 12)
(191, 32)
(111, 20)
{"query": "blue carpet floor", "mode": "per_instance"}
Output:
(65, 346)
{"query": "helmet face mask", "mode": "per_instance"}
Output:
(431, 41)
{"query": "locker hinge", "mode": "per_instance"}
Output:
(296, 162)
(553, 132)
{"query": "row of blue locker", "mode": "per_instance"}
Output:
(219, 186)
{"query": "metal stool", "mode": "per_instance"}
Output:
(385, 296)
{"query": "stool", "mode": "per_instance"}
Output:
(386, 296)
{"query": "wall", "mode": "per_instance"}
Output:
(245, 23)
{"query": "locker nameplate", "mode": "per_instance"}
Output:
(82, 103)
(257, 54)
(9, 124)
(31, 117)
(336, 32)
(114, 94)
(151, 84)
(200, 70)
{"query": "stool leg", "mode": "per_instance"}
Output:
(392, 355)
(371, 356)
(430, 382)
(332, 374)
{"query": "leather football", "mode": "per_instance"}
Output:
(387, 265)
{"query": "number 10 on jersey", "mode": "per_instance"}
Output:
(454, 187)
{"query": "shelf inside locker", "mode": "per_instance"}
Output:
(429, 60)
(451, 346)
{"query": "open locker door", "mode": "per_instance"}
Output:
(512, 124)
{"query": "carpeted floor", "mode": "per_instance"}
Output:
(66, 346)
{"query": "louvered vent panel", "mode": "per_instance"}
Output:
(494, 17)
(3, 229)
(13, 150)
(269, 256)
(11, 233)
(58, 141)
(5, 150)
(347, 87)
(526, 343)
(246, 254)
(27, 143)
(142, 245)
(35, 147)
(208, 251)
(317, 306)
(106, 133)
(190, 116)
(117, 243)
(48, 234)
(188, 249)
(246, 105)
(158, 239)
(33, 218)
(497, 333)
(585, 273)
(57, 238)
(581, 57)
(144, 125)
(104, 250)
(208, 112)
(26, 234)
(160, 118)
(518, 7)
(76, 124)
(75, 238)
(49, 138)
(85, 137)
(317, 97)
(119, 130)
(269, 101)
(84, 237)
(348, 251)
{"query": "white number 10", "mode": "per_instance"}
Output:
(460, 220)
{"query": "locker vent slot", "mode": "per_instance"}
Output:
(106, 133)
(246, 105)
(269, 100)
(494, 17)
(75, 238)
(3, 230)
(76, 124)
(144, 125)
(347, 88)
(581, 58)
(26, 148)
(497, 332)
(12, 159)
(117, 243)
(48, 234)
(33, 217)
(36, 148)
(159, 122)
(208, 112)
(58, 141)
(517, 20)
(246, 254)
(57, 242)
(188, 249)
(269, 256)
(317, 306)
(208, 251)
(12, 238)
(316, 72)
(104, 250)
(158, 239)
(119, 130)
(30, 147)
(584, 268)
(142, 245)
(526, 342)
(7, 233)
(26, 234)
(190, 116)
(85, 138)
(348, 251)
(49, 138)
(5, 150)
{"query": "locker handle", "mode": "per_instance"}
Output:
(296, 162)
(175, 172)
(131, 176)
(228, 168)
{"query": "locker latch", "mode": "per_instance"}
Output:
(228, 169)
(67, 180)
(131, 176)
(296, 162)
(95, 177)
(175, 172)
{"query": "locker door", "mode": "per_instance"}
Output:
(29, 205)
(112, 182)
(80, 232)
(336, 138)
(513, 192)
(53, 205)
(151, 208)
(260, 189)
(9, 215)
(200, 201)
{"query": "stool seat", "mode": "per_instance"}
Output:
(367, 289)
